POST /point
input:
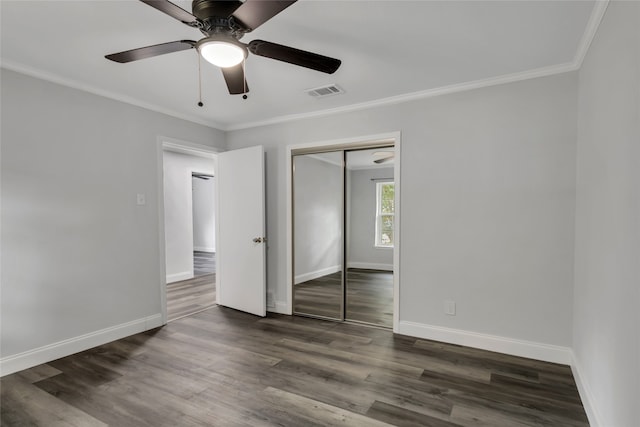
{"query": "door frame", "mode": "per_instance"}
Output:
(184, 147)
(345, 144)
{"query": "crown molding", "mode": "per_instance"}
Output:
(597, 13)
(429, 93)
(74, 84)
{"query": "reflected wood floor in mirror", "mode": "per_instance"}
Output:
(222, 367)
(320, 297)
(190, 296)
(369, 296)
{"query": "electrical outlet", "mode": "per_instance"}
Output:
(450, 307)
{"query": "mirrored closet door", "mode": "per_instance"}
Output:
(370, 199)
(318, 206)
(343, 225)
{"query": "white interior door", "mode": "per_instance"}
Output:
(241, 243)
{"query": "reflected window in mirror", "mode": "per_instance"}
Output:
(385, 210)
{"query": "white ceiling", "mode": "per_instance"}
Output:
(388, 49)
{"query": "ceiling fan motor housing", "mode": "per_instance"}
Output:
(215, 17)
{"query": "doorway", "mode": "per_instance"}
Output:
(343, 230)
(189, 225)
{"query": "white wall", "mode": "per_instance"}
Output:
(178, 211)
(318, 217)
(78, 255)
(362, 212)
(204, 214)
(607, 260)
(488, 182)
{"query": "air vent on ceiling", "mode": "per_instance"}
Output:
(321, 92)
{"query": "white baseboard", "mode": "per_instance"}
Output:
(185, 275)
(211, 249)
(371, 266)
(515, 347)
(280, 307)
(47, 353)
(318, 273)
(588, 401)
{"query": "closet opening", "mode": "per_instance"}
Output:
(344, 224)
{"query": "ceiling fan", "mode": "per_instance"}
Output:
(224, 23)
(383, 156)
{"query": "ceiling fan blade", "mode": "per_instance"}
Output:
(150, 51)
(172, 10)
(236, 82)
(254, 13)
(383, 160)
(294, 56)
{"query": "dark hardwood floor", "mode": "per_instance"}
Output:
(190, 296)
(221, 367)
(369, 296)
(320, 297)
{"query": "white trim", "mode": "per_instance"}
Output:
(597, 13)
(210, 249)
(74, 84)
(515, 347)
(186, 147)
(429, 93)
(586, 395)
(47, 353)
(162, 280)
(371, 265)
(178, 277)
(391, 137)
(317, 273)
(396, 232)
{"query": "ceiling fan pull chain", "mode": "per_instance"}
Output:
(200, 104)
(244, 77)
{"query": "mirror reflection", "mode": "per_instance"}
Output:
(370, 240)
(344, 215)
(318, 217)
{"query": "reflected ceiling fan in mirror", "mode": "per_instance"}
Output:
(383, 156)
(224, 23)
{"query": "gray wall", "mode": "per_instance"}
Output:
(78, 254)
(318, 217)
(362, 220)
(488, 183)
(179, 226)
(607, 261)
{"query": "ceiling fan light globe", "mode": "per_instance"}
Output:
(221, 53)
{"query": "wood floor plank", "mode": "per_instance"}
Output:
(221, 367)
(191, 296)
(403, 417)
(25, 404)
(38, 373)
(317, 412)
